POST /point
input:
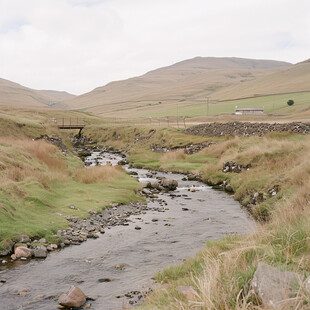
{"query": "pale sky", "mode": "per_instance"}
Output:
(77, 45)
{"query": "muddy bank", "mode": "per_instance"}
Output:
(247, 129)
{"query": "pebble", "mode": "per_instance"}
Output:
(137, 227)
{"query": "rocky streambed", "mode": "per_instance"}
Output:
(126, 245)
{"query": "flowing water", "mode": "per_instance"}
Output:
(169, 233)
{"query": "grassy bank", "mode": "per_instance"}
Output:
(222, 272)
(39, 183)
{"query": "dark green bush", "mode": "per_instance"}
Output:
(290, 102)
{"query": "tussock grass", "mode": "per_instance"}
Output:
(98, 174)
(24, 158)
(173, 156)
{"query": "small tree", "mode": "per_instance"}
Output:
(290, 102)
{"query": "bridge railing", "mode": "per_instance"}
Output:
(72, 121)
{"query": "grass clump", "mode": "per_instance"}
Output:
(98, 174)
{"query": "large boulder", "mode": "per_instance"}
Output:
(274, 287)
(74, 298)
(169, 184)
(40, 252)
(154, 184)
(7, 248)
(23, 251)
(23, 239)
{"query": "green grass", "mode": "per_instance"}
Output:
(43, 211)
(276, 104)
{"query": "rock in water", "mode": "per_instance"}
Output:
(275, 287)
(74, 298)
(169, 184)
(22, 251)
(40, 252)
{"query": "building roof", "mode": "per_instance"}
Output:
(250, 109)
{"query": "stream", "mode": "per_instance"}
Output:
(118, 267)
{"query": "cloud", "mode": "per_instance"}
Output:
(77, 45)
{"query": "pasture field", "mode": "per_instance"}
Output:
(273, 104)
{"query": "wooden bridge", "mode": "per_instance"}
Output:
(70, 123)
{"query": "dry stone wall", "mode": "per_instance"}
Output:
(247, 129)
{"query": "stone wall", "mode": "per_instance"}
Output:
(247, 129)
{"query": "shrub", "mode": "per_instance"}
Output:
(290, 102)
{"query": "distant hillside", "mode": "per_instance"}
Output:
(188, 80)
(292, 79)
(13, 94)
(57, 96)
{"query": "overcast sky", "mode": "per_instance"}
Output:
(77, 45)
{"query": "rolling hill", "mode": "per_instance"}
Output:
(289, 80)
(16, 95)
(190, 80)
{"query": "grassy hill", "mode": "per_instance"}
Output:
(16, 95)
(185, 81)
(291, 79)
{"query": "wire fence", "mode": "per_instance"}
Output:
(176, 122)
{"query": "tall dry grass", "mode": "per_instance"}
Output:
(23, 158)
(173, 156)
(98, 174)
(45, 152)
